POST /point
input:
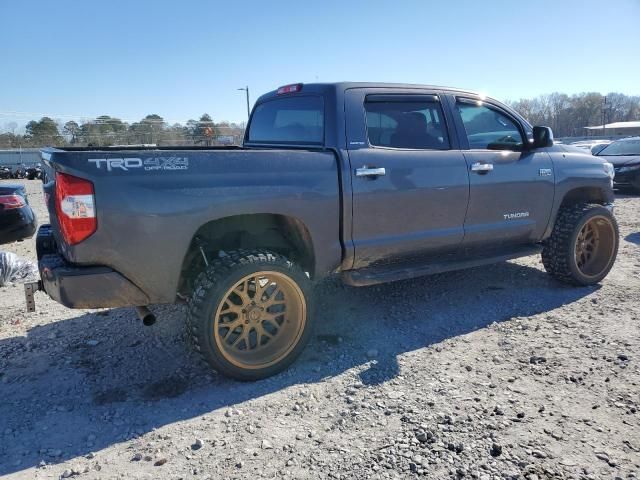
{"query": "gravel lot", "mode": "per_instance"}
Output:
(495, 372)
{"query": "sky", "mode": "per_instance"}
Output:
(180, 59)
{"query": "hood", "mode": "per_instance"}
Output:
(620, 160)
(571, 148)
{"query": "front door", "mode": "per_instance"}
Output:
(409, 179)
(511, 186)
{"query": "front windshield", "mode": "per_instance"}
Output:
(622, 147)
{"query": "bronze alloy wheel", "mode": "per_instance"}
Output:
(260, 320)
(583, 245)
(595, 246)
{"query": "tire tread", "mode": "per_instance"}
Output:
(204, 285)
(557, 249)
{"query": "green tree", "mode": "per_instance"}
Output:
(72, 129)
(148, 130)
(103, 131)
(175, 134)
(43, 132)
(10, 140)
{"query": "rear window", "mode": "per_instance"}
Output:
(296, 120)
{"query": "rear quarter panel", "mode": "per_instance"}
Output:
(147, 218)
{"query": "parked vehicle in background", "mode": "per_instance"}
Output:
(624, 154)
(17, 220)
(19, 172)
(375, 182)
(34, 172)
(592, 145)
(597, 147)
(5, 172)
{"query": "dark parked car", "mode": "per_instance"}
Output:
(5, 172)
(373, 182)
(17, 220)
(624, 154)
(34, 172)
(19, 172)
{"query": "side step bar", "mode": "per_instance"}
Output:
(393, 273)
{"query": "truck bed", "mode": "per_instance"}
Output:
(151, 201)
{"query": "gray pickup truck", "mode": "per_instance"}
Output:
(374, 182)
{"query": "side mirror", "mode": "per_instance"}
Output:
(542, 137)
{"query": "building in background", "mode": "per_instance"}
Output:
(20, 156)
(624, 129)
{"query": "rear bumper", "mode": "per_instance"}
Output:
(627, 178)
(82, 287)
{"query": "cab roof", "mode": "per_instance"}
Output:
(342, 86)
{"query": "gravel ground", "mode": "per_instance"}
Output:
(490, 373)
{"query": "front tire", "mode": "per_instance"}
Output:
(249, 314)
(583, 245)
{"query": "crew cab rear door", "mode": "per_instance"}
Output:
(511, 186)
(409, 178)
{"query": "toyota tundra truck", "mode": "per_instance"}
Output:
(372, 182)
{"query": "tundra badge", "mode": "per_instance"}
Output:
(510, 216)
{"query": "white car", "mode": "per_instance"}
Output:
(593, 145)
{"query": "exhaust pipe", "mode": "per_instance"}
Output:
(146, 315)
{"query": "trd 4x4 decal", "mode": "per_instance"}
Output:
(152, 163)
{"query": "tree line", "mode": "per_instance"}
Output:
(566, 114)
(106, 131)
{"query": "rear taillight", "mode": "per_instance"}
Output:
(9, 202)
(75, 206)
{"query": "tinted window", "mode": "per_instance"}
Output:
(414, 124)
(487, 128)
(298, 120)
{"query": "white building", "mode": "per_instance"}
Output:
(627, 129)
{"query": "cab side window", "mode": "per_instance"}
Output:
(489, 129)
(406, 124)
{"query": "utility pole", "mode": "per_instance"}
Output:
(246, 90)
(604, 109)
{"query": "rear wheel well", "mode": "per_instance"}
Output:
(584, 195)
(278, 233)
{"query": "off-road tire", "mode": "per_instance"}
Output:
(211, 288)
(559, 252)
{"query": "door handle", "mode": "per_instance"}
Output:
(482, 167)
(366, 171)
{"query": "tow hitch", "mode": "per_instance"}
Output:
(29, 290)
